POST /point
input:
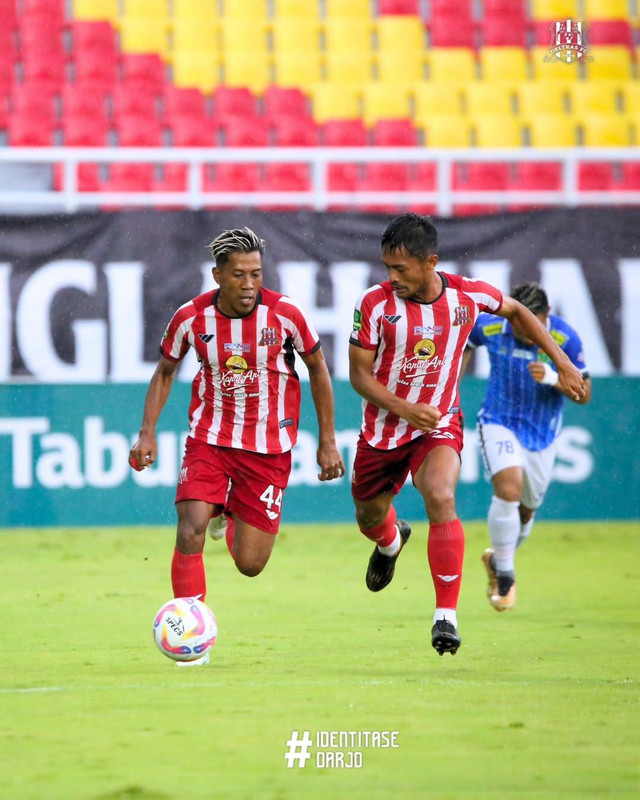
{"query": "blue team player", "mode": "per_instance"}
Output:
(518, 425)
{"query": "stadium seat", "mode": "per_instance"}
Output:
(344, 66)
(87, 177)
(40, 38)
(294, 8)
(144, 70)
(595, 176)
(232, 102)
(497, 130)
(343, 177)
(203, 10)
(91, 67)
(345, 133)
(129, 178)
(606, 131)
(96, 35)
(174, 178)
(232, 178)
(295, 132)
(481, 176)
(498, 64)
(592, 97)
(83, 101)
(547, 130)
(194, 33)
(385, 101)
(610, 31)
(128, 99)
(399, 34)
(96, 10)
(537, 176)
(80, 130)
(286, 178)
(144, 35)
(242, 35)
(299, 70)
(452, 64)
(186, 102)
(297, 34)
(196, 69)
(492, 98)
(145, 8)
(423, 178)
(540, 98)
(503, 31)
(138, 131)
(44, 70)
(384, 178)
(606, 9)
(445, 131)
(32, 103)
(449, 32)
(279, 101)
(348, 8)
(555, 9)
(400, 66)
(246, 132)
(394, 133)
(246, 68)
(551, 71)
(610, 62)
(190, 131)
(630, 176)
(246, 9)
(439, 98)
(512, 9)
(335, 102)
(397, 7)
(631, 97)
(25, 130)
(460, 10)
(348, 34)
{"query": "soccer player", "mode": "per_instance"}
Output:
(409, 334)
(244, 411)
(518, 424)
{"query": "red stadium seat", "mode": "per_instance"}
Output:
(474, 210)
(184, 102)
(41, 36)
(451, 32)
(286, 178)
(80, 130)
(343, 177)
(144, 70)
(8, 14)
(295, 132)
(128, 99)
(91, 66)
(514, 9)
(138, 131)
(87, 177)
(394, 133)
(610, 31)
(281, 101)
(384, 178)
(397, 7)
(96, 36)
(503, 32)
(481, 176)
(129, 178)
(233, 102)
(242, 178)
(174, 179)
(52, 10)
(32, 101)
(45, 70)
(25, 130)
(188, 131)
(423, 177)
(7, 74)
(246, 132)
(595, 176)
(345, 133)
(538, 176)
(460, 10)
(83, 100)
(630, 176)
(4, 111)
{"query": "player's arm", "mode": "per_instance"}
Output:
(419, 415)
(144, 451)
(543, 373)
(569, 375)
(328, 456)
(466, 357)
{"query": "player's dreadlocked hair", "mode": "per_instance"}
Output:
(236, 240)
(531, 296)
(413, 233)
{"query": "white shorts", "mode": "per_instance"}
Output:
(501, 449)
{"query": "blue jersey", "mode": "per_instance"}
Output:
(533, 411)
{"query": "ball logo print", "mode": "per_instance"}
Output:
(184, 629)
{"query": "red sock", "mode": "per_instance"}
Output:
(187, 575)
(445, 549)
(385, 532)
(230, 535)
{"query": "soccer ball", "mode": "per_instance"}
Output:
(185, 629)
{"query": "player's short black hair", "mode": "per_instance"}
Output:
(532, 296)
(413, 233)
(236, 240)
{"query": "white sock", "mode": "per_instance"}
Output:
(504, 527)
(446, 613)
(394, 547)
(525, 530)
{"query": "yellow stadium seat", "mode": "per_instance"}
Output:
(198, 9)
(349, 34)
(293, 69)
(385, 101)
(437, 98)
(606, 130)
(396, 33)
(296, 33)
(631, 97)
(145, 8)
(482, 98)
(144, 35)
(295, 8)
(448, 64)
(552, 70)
(96, 9)
(348, 8)
(246, 68)
(497, 130)
(554, 9)
(245, 9)
(405, 67)
(196, 69)
(552, 131)
(504, 63)
(587, 98)
(606, 9)
(197, 34)
(335, 101)
(244, 35)
(610, 63)
(343, 67)
(541, 98)
(445, 131)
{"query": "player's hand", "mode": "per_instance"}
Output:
(143, 453)
(541, 372)
(571, 381)
(330, 462)
(422, 416)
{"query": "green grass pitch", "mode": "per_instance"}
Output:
(538, 703)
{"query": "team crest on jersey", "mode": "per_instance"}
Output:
(269, 337)
(205, 337)
(424, 349)
(392, 318)
(427, 330)
(461, 316)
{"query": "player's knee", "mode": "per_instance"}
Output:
(369, 517)
(509, 491)
(440, 501)
(189, 539)
(249, 568)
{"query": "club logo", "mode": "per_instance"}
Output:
(461, 316)
(269, 337)
(424, 349)
(568, 42)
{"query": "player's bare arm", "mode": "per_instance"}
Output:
(570, 376)
(144, 451)
(328, 456)
(419, 415)
(538, 371)
(466, 357)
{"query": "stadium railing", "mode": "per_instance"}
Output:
(67, 198)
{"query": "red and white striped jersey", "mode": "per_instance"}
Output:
(419, 350)
(247, 392)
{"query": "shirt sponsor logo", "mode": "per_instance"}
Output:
(427, 331)
(424, 349)
(286, 423)
(357, 320)
(237, 347)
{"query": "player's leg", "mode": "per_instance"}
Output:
(536, 478)
(252, 547)
(436, 480)
(377, 478)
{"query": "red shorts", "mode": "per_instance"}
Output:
(377, 472)
(248, 484)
